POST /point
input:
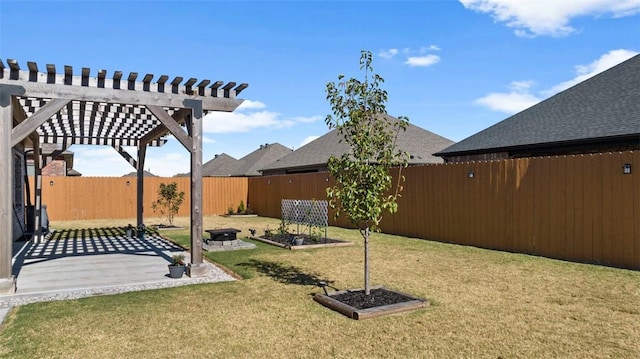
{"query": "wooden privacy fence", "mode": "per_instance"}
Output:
(579, 208)
(75, 198)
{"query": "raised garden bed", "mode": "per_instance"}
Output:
(286, 241)
(165, 227)
(239, 215)
(356, 305)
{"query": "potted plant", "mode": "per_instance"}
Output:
(176, 267)
(298, 240)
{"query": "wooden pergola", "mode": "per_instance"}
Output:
(66, 109)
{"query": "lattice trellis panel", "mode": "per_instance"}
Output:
(306, 212)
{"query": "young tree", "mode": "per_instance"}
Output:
(364, 187)
(169, 201)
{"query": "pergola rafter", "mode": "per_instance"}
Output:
(65, 109)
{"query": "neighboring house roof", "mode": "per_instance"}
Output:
(73, 173)
(603, 107)
(418, 142)
(221, 165)
(135, 174)
(250, 164)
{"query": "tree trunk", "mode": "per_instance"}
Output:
(367, 289)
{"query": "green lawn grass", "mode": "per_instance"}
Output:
(485, 304)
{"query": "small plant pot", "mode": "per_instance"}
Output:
(298, 241)
(176, 271)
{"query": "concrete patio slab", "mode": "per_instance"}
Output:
(74, 264)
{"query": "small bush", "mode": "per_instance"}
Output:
(169, 201)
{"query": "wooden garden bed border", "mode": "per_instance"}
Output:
(304, 246)
(357, 314)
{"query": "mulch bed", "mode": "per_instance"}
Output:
(377, 298)
(381, 301)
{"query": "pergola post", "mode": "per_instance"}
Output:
(37, 210)
(142, 151)
(196, 268)
(7, 281)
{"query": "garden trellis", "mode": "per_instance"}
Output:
(309, 213)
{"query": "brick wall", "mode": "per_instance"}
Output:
(55, 168)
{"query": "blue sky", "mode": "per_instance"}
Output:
(453, 67)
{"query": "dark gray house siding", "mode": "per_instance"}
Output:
(18, 192)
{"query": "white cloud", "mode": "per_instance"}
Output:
(227, 122)
(104, 161)
(423, 61)
(520, 97)
(429, 48)
(521, 86)
(534, 18)
(388, 54)
(168, 164)
(584, 72)
(302, 119)
(308, 139)
(96, 161)
(516, 100)
(250, 105)
(206, 139)
(415, 57)
(248, 119)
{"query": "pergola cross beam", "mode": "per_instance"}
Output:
(26, 128)
(172, 125)
(127, 157)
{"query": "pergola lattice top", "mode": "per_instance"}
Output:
(110, 111)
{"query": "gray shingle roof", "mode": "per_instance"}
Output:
(256, 160)
(418, 142)
(135, 174)
(604, 106)
(221, 165)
